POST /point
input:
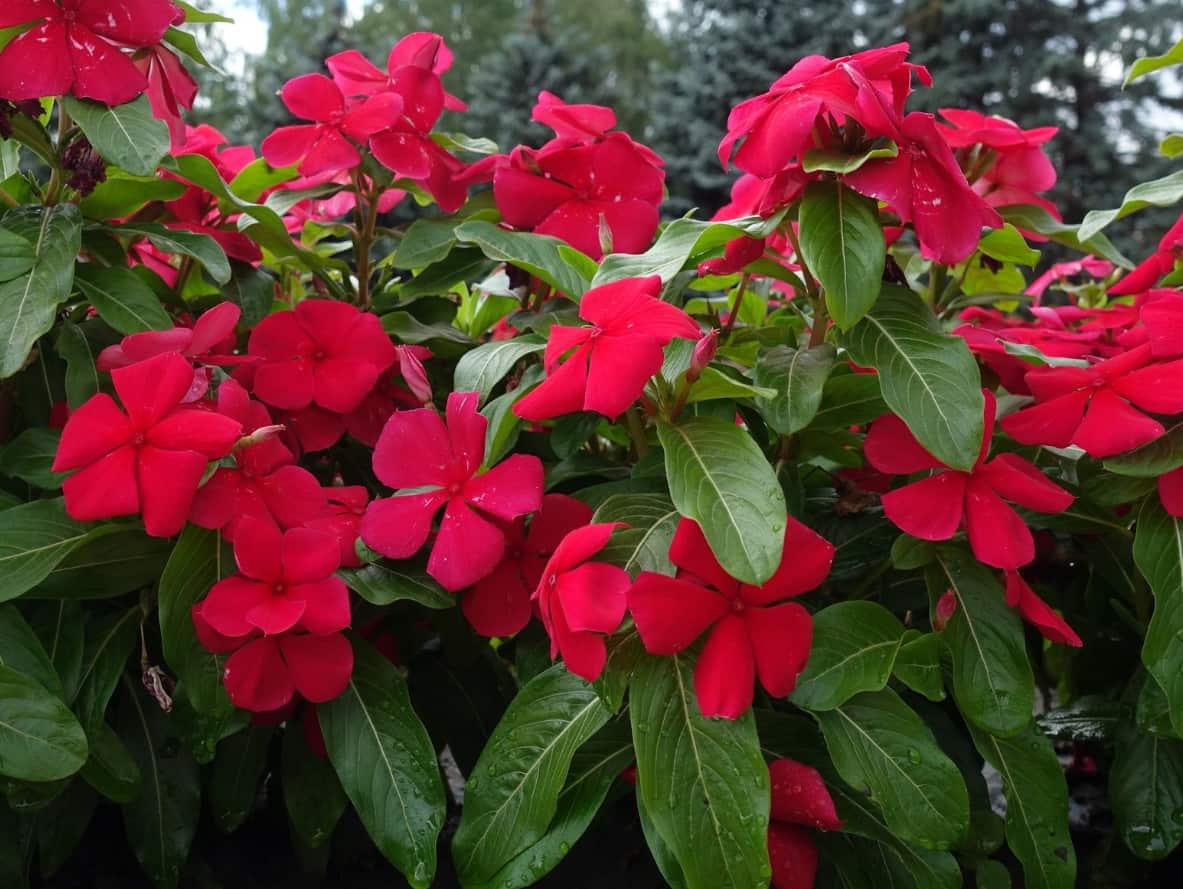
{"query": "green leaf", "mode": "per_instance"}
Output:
(719, 478)
(992, 679)
(60, 626)
(513, 792)
(110, 641)
(386, 764)
(1157, 193)
(681, 243)
(82, 378)
(60, 825)
(644, 545)
(1146, 787)
(200, 247)
(854, 648)
(160, 823)
(1007, 244)
(127, 135)
(879, 745)
(238, 768)
(1171, 146)
(122, 299)
(1029, 217)
(252, 290)
(842, 244)
(918, 665)
(111, 561)
(198, 561)
(426, 241)
(40, 740)
(703, 781)
(380, 584)
(485, 366)
(16, 255)
(1149, 64)
(799, 377)
(258, 176)
(714, 384)
(110, 769)
(827, 160)
(312, 792)
(187, 44)
(30, 455)
(121, 195)
(555, 262)
(1158, 553)
(928, 377)
(849, 400)
(1036, 806)
(1153, 459)
(21, 650)
(1088, 718)
(34, 538)
(29, 303)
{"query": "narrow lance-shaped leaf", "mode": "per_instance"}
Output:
(1158, 553)
(482, 368)
(1157, 193)
(122, 299)
(34, 538)
(703, 781)
(312, 792)
(927, 377)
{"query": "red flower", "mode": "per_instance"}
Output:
(935, 507)
(148, 460)
(329, 144)
(366, 421)
(285, 583)
(265, 673)
(599, 192)
(358, 76)
(323, 352)
(614, 358)
(1020, 168)
(1037, 612)
(170, 88)
(74, 47)
(416, 450)
(924, 185)
(499, 605)
(213, 331)
(342, 517)
(799, 799)
(750, 634)
(263, 484)
(1155, 266)
(580, 601)
(1099, 408)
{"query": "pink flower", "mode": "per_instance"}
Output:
(207, 341)
(148, 460)
(170, 88)
(799, 800)
(1157, 265)
(614, 358)
(751, 630)
(265, 673)
(580, 601)
(936, 506)
(417, 450)
(342, 517)
(329, 144)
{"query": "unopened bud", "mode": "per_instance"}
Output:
(260, 435)
(414, 375)
(946, 606)
(704, 353)
(605, 233)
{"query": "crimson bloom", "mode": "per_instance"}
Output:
(263, 484)
(1099, 408)
(1158, 264)
(148, 460)
(358, 76)
(1037, 612)
(341, 517)
(265, 673)
(322, 352)
(580, 601)
(935, 507)
(212, 332)
(752, 630)
(612, 359)
(417, 450)
(170, 88)
(286, 582)
(596, 190)
(75, 47)
(499, 605)
(799, 799)
(1020, 168)
(328, 144)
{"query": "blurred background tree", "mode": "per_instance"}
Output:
(673, 68)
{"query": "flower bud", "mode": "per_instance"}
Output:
(704, 353)
(414, 375)
(946, 606)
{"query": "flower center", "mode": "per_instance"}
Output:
(319, 355)
(69, 15)
(138, 439)
(737, 605)
(279, 588)
(455, 488)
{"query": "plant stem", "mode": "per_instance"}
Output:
(743, 289)
(636, 431)
(367, 222)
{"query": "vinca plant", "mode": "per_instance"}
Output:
(446, 499)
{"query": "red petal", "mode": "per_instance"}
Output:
(308, 555)
(377, 113)
(36, 63)
(725, 675)
(1170, 492)
(780, 638)
(167, 481)
(799, 796)
(1111, 426)
(312, 97)
(1038, 613)
(104, 489)
(670, 613)
(593, 596)
(499, 605)
(558, 515)
(1164, 323)
(330, 153)
(1052, 423)
(93, 431)
(402, 152)
(275, 614)
(510, 489)
(326, 605)
(793, 857)
(562, 392)
(398, 526)
(20, 12)
(292, 495)
(930, 509)
(413, 450)
(466, 431)
(618, 369)
(1157, 388)
(257, 677)
(229, 600)
(1018, 481)
(134, 22)
(320, 665)
(285, 146)
(690, 551)
(355, 74)
(213, 327)
(584, 653)
(525, 199)
(996, 532)
(467, 548)
(803, 567)
(211, 435)
(579, 546)
(150, 389)
(258, 548)
(892, 448)
(101, 71)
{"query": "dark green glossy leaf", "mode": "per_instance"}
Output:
(849, 400)
(485, 366)
(122, 299)
(21, 650)
(200, 247)
(842, 244)
(558, 264)
(645, 544)
(918, 665)
(1158, 553)
(60, 825)
(238, 768)
(110, 769)
(312, 792)
(1146, 786)
(381, 584)
(799, 377)
(116, 560)
(853, 650)
(110, 642)
(30, 455)
(82, 378)
(1159, 457)
(34, 538)
(126, 135)
(40, 740)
